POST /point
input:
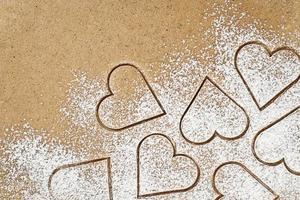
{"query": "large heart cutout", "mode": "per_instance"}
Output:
(131, 100)
(232, 180)
(160, 170)
(213, 113)
(84, 180)
(267, 74)
(279, 142)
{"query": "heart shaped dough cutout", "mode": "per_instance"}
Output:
(267, 74)
(88, 180)
(160, 170)
(279, 142)
(131, 100)
(233, 181)
(213, 113)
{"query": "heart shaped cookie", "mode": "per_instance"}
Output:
(279, 142)
(232, 180)
(267, 74)
(84, 180)
(131, 100)
(160, 170)
(212, 113)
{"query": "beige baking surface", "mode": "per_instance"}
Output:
(43, 42)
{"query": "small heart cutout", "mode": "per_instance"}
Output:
(213, 113)
(84, 180)
(232, 180)
(279, 142)
(267, 74)
(131, 100)
(160, 170)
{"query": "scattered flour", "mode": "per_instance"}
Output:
(28, 160)
(29, 157)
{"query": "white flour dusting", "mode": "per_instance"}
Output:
(30, 156)
(83, 95)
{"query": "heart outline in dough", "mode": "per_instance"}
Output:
(215, 134)
(111, 94)
(220, 195)
(282, 160)
(66, 166)
(175, 154)
(270, 53)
